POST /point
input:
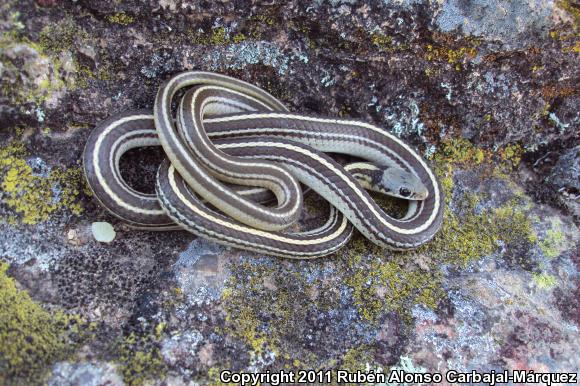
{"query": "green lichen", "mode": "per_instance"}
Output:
(463, 238)
(266, 306)
(34, 197)
(357, 358)
(140, 358)
(468, 234)
(553, 243)
(243, 321)
(121, 18)
(382, 42)
(20, 93)
(452, 56)
(41, 75)
(544, 281)
(460, 152)
(62, 36)
(55, 38)
(213, 376)
(258, 26)
(84, 74)
(217, 36)
(238, 38)
(380, 286)
(511, 155)
(246, 327)
(31, 338)
(267, 19)
(573, 9)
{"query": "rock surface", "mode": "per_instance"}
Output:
(486, 90)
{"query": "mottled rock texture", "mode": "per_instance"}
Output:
(486, 90)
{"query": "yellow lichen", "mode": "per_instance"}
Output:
(388, 285)
(217, 36)
(511, 154)
(357, 358)
(382, 42)
(544, 281)
(573, 9)
(461, 152)
(61, 36)
(553, 243)
(31, 338)
(452, 56)
(239, 38)
(141, 359)
(213, 376)
(121, 18)
(34, 197)
(242, 321)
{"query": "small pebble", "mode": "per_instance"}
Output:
(103, 232)
(73, 237)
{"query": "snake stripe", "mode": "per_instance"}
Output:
(209, 188)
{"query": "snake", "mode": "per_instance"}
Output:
(236, 160)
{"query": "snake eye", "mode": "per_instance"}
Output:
(404, 192)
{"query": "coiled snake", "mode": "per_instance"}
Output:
(231, 144)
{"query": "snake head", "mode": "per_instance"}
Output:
(399, 183)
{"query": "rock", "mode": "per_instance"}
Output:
(181, 349)
(485, 90)
(514, 24)
(565, 175)
(85, 373)
(201, 271)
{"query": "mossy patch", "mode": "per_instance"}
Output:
(32, 195)
(31, 338)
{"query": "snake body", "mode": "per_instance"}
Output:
(227, 131)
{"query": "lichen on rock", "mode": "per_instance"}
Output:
(32, 190)
(31, 337)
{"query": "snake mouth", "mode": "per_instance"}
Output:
(420, 196)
